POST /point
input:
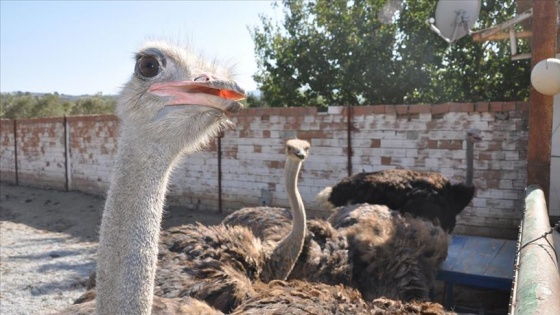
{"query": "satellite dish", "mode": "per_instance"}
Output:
(455, 18)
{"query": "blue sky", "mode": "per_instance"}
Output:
(79, 47)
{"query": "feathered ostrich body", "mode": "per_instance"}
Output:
(368, 247)
(304, 298)
(424, 194)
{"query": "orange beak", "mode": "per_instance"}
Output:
(218, 94)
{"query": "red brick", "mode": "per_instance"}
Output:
(44, 120)
(386, 160)
(380, 109)
(375, 143)
(450, 144)
(273, 164)
(496, 107)
(461, 107)
(401, 109)
(420, 108)
(481, 107)
(362, 110)
(508, 107)
(432, 144)
(440, 108)
(311, 110)
(523, 106)
(390, 109)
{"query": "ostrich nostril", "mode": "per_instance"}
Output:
(203, 77)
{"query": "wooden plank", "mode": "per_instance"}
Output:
(502, 265)
(476, 255)
(479, 261)
(454, 252)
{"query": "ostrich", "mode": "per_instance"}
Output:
(426, 194)
(157, 128)
(272, 224)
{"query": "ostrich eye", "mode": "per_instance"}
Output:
(148, 66)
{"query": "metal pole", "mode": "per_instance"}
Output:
(540, 112)
(66, 173)
(220, 172)
(349, 128)
(16, 152)
(536, 287)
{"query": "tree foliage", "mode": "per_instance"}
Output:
(27, 105)
(338, 52)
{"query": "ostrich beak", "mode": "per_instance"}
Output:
(223, 95)
(477, 137)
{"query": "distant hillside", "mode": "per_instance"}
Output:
(30, 105)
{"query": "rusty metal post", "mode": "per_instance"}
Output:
(220, 210)
(16, 152)
(349, 127)
(66, 155)
(540, 112)
(536, 289)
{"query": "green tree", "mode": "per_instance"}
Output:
(50, 105)
(18, 105)
(27, 105)
(381, 52)
(97, 104)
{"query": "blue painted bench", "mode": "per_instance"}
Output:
(477, 261)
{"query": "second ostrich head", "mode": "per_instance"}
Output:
(285, 254)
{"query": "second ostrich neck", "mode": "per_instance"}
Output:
(286, 253)
(470, 162)
(130, 229)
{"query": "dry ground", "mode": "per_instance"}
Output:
(48, 241)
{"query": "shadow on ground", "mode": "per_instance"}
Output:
(75, 213)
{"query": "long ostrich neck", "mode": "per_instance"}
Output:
(130, 230)
(286, 253)
(469, 157)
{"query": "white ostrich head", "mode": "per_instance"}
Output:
(175, 99)
(474, 135)
(297, 150)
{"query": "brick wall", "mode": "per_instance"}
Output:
(41, 152)
(421, 137)
(93, 145)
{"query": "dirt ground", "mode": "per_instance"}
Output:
(48, 240)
